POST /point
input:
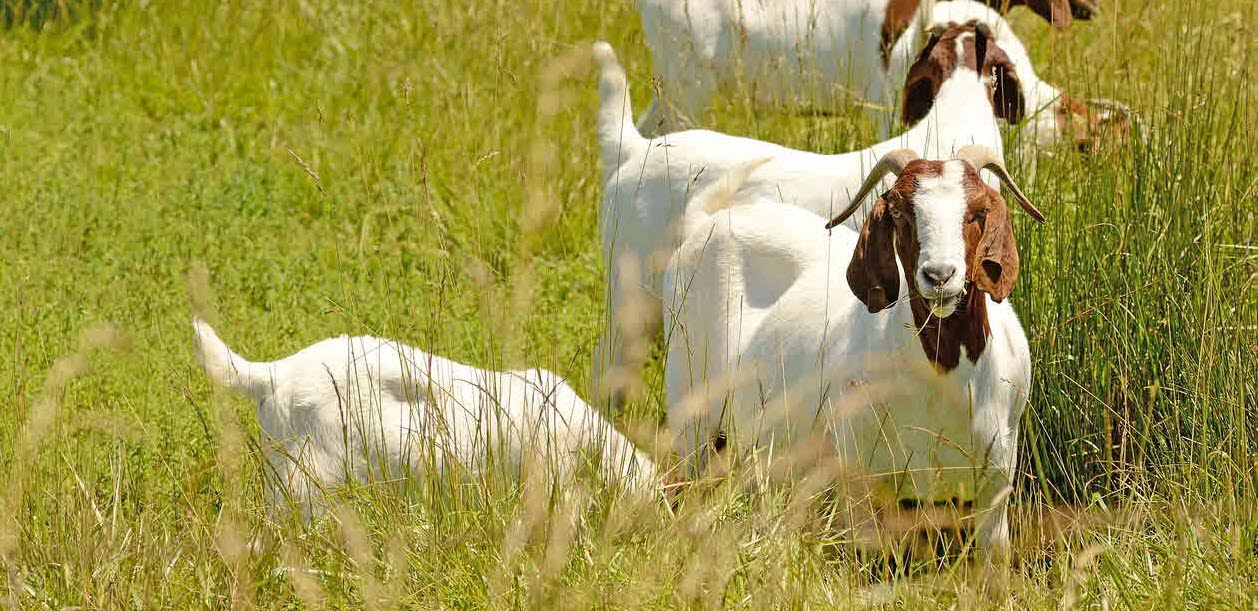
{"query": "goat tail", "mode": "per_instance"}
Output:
(227, 367)
(718, 195)
(618, 137)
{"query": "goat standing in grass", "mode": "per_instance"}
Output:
(917, 377)
(369, 409)
(955, 91)
(822, 54)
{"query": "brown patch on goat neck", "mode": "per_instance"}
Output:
(990, 254)
(943, 338)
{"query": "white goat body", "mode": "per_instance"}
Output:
(769, 347)
(820, 54)
(364, 408)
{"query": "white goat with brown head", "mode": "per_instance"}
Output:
(895, 349)
(824, 54)
(957, 88)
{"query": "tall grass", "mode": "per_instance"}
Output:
(364, 168)
(1141, 301)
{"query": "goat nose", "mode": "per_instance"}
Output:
(938, 274)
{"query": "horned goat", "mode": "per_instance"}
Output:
(824, 54)
(959, 84)
(914, 371)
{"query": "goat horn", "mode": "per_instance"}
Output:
(982, 158)
(892, 162)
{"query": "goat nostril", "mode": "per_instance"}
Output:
(938, 275)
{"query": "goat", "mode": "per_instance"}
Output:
(956, 89)
(817, 53)
(363, 408)
(918, 377)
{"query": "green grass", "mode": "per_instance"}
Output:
(346, 168)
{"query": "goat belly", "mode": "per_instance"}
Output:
(917, 439)
(921, 446)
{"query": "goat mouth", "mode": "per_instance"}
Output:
(943, 306)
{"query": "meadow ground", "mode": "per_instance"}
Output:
(305, 169)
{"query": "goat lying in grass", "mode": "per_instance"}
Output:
(365, 408)
(957, 88)
(917, 377)
(814, 52)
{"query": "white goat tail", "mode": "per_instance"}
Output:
(618, 137)
(227, 367)
(718, 195)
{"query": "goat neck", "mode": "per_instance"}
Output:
(942, 339)
(953, 121)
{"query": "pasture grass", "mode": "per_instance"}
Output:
(318, 168)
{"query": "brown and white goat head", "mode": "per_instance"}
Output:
(968, 45)
(1085, 124)
(1060, 13)
(954, 239)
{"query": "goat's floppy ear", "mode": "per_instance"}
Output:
(872, 274)
(1007, 100)
(995, 265)
(922, 83)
